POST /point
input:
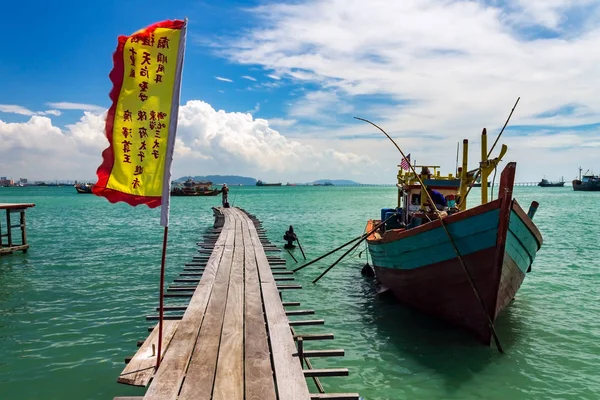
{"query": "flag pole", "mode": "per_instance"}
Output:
(162, 291)
(166, 189)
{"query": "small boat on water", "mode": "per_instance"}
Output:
(84, 188)
(191, 188)
(463, 265)
(261, 183)
(586, 183)
(546, 183)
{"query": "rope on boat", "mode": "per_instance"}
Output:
(439, 215)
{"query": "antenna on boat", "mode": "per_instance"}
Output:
(445, 228)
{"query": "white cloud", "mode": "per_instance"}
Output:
(208, 141)
(236, 143)
(37, 149)
(320, 105)
(51, 112)
(272, 76)
(15, 109)
(249, 78)
(457, 63)
(255, 109)
(438, 67)
(220, 78)
(64, 105)
(282, 122)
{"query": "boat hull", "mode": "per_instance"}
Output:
(195, 193)
(586, 187)
(83, 189)
(498, 243)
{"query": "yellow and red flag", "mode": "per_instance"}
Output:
(142, 120)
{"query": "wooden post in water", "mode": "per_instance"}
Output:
(8, 228)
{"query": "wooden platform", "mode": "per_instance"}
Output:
(6, 231)
(233, 340)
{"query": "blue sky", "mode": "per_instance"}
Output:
(64, 52)
(270, 88)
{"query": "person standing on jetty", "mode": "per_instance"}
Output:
(225, 192)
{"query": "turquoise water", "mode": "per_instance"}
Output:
(73, 307)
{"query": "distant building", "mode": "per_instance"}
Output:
(23, 180)
(6, 182)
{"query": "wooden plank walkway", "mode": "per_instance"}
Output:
(234, 340)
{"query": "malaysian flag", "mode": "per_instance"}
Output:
(405, 164)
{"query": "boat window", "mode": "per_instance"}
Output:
(415, 199)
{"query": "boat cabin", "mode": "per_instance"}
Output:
(413, 207)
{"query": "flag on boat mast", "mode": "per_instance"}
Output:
(142, 121)
(405, 164)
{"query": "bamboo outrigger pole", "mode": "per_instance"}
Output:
(361, 238)
(459, 256)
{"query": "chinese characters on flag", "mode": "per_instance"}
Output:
(142, 121)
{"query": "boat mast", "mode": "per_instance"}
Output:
(484, 172)
(464, 176)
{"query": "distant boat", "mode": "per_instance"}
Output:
(290, 184)
(545, 183)
(261, 183)
(587, 183)
(191, 188)
(84, 188)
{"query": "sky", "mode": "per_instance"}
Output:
(270, 89)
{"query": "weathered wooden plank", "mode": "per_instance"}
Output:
(315, 336)
(140, 369)
(291, 384)
(173, 308)
(323, 353)
(200, 376)
(168, 379)
(334, 396)
(128, 398)
(307, 322)
(258, 368)
(309, 373)
(229, 378)
(166, 317)
(299, 312)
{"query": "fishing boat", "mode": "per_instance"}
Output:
(463, 265)
(546, 183)
(586, 183)
(192, 188)
(261, 183)
(84, 188)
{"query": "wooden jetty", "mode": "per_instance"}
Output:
(9, 246)
(233, 339)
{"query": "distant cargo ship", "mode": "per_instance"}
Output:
(545, 183)
(587, 183)
(261, 183)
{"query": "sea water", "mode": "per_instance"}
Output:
(74, 306)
